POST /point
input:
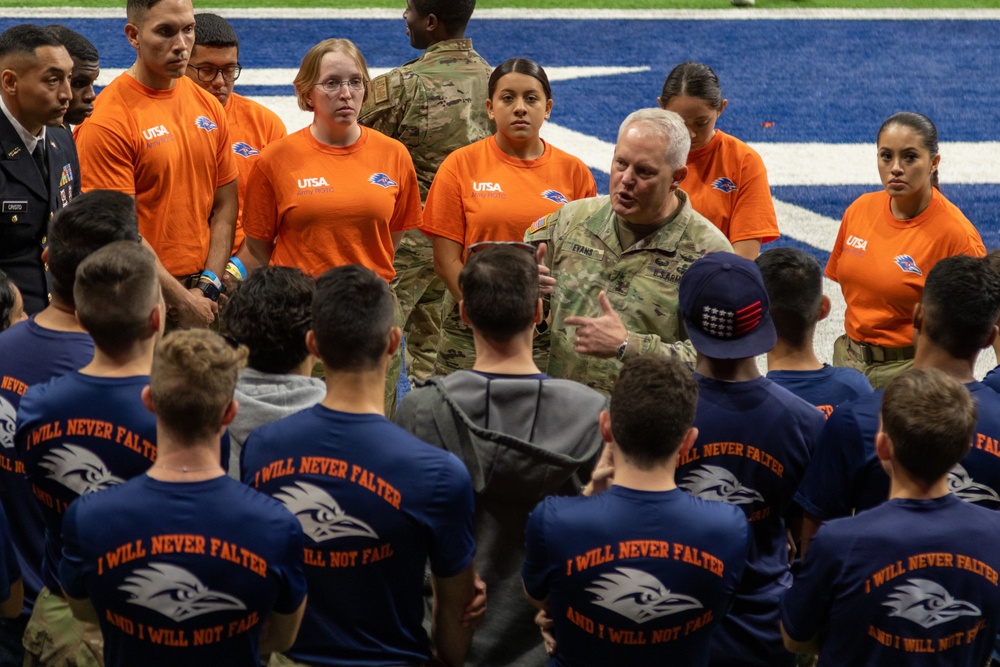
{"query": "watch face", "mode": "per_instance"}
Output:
(210, 290)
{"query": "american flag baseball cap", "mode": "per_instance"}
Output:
(725, 307)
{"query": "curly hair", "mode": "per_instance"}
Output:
(270, 312)
(8, 297)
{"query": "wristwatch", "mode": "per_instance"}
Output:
(621, 350)
(210, 290)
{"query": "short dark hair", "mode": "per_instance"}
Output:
(213, 30)
(930, 418)
(116, 288)
(500, 290)
(961, 302)
(520, 66)
(79, 47)
(352, 315)
(794, 283)
(192, 382)
(652, 407)
(8, 295)
(694, 80)
(25, 38)
(136, 9)
(270, 312)
(454, 15)
(89, 222)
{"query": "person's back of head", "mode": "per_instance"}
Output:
(930, 418)
(652, 408)
(499, 286)
(192, 382)
(115, 292)
(213, 30)
(352, 319)
(270, 313)
(794, 283)
(89, 222)
(11, 303)
(79, 47)
(725, 307)
(961, 305)
(454, 15)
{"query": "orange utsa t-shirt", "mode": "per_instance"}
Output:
(252, 126)
(727, 183)
(482, 194)
(168, 148)
(881, 263)
(326, 206)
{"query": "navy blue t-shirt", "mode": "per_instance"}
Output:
(182, 573)
(78, 434)
(634, 577)
(911, 582)
(29, 355)
(755, 440)
(846, 475)
(825, 388)
(375, 503)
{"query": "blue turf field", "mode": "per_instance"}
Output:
(826, 81)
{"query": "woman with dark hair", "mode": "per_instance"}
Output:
(888, 241)
(494, 189)
(726, 180)
(11, 303)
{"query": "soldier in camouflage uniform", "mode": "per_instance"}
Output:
(617, 261)
(433, 105)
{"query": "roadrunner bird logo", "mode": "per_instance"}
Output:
(321, 517)
(205, 123)
(78, 469)
(927, 603)
(724, 185)
(176, 593)
(556, 196)
(245, 149)
(960, 483)
(638, 596)
(715, 483)
(906, 263)
(381, 179)
(8, 421)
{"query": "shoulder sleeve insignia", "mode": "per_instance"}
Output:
(380, 90)
(538, 225)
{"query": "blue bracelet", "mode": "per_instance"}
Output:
(212, 277)
(235, 262)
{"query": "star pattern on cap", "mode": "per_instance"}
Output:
(717, 322)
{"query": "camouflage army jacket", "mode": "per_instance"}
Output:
(434, 105)
(642, 282)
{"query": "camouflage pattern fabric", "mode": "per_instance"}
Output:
(54, 636)
(642, 282)
(456, 350)
(433, 105)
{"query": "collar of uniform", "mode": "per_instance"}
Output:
(464, 44)
(666, 238)
(27, 138)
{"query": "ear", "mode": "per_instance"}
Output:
(8, 79)
(489, 109)
(132, 34)
(918, 316)
(824, 308)
(395, 337)
(725, 103)
(539, 312)
(935, 162)
(230, 414)
(462, 314)
(147, 399)
(661, 103)
(548, 108)
(688, 442)
(156, 319)
(45, 254)
(311, 344)
(992, 337)
(679, 177)
(883, 446)
(431, 23)
(604, 422)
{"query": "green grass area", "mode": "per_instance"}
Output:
(549, 4)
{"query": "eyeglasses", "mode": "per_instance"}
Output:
(330, 86)
(483, 245)
(208, 73)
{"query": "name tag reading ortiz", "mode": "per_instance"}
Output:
(14, 207)
(595, 253)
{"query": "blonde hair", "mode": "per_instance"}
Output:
(192, 382)
(309, 69)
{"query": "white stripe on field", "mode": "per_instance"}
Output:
(284, 76)
(747, 14)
